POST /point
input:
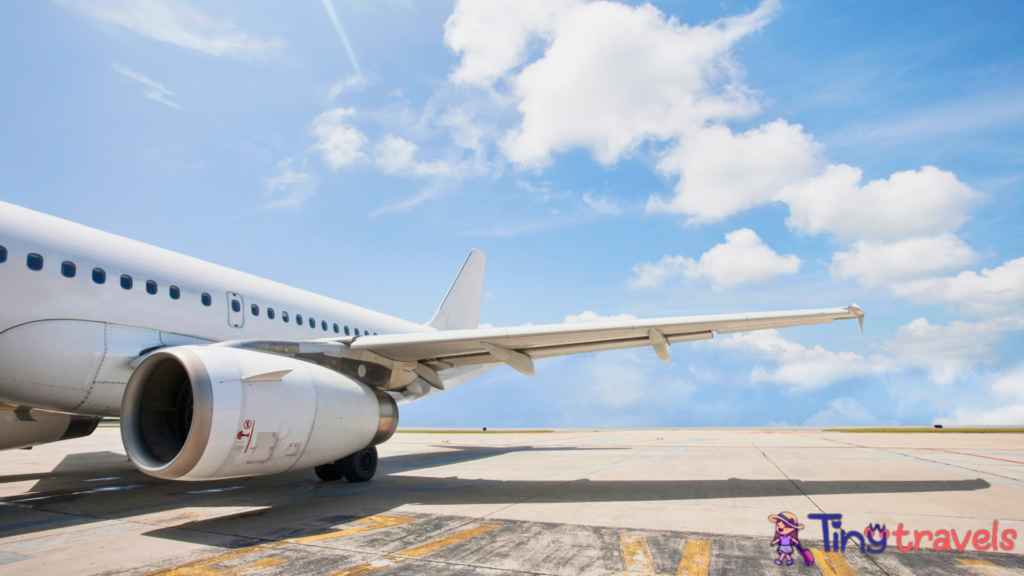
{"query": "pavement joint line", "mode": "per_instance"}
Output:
(791, 481)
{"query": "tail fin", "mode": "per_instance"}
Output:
(460, 309)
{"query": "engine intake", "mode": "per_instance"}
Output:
(209, 412)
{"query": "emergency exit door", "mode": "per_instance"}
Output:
(236, 310)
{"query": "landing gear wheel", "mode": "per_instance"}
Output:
(359, 467)
(329, 472)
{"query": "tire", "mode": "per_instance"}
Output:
(329, 472)
(360, 466)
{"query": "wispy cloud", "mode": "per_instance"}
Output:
(292, 186)
(153, 90)
(174, 22)
(344, 37)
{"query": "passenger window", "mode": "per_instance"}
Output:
(346, 330)
(284, 316)
(374, 333)
(35, 262)
(236, 306)
(356, 330)
(151, 286)
(126, 282)
(255, 310)
(323, 324)
(270, 313)
(298, 319)
(67, 269)
(336, 330)
(206, 299)
(175, 293)
(3, 254)
(312, 323)
(99, 276)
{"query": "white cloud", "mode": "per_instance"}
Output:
(876, 263)
(843, 411)
(340, 144)
(799, 367)
(347, 84)
(949, 353)
(396, 155)
(588, 316)
(992, 291)
(154, 91)
(907, 205)
(293, 186)
(177, 23)
(722, 173)
(611, 76)
(1008, 393)
(602, 204)
(743, 257)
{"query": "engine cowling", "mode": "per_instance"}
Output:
(211, 412)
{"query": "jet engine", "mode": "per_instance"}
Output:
(211, 412)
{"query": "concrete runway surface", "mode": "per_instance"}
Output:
(658, 501)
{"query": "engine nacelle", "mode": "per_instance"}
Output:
(211, 412)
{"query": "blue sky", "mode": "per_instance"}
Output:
(610, 159)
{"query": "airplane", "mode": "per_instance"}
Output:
(216, 373)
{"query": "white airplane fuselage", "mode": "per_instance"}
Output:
(66, 342)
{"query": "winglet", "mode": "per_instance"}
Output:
(460, 309)
(856, 311)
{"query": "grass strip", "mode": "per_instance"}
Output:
(927, 430)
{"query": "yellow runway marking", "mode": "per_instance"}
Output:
(635, 555)
(208, 566)
(987, 568)
(696, 558)
(416, 551)
(831, 563)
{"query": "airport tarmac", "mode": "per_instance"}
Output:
(679, 501)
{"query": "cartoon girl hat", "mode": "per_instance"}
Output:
(787, 518)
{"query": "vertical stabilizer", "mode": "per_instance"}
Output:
(460, 309)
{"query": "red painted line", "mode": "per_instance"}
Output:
(251, 432)
(975, 455)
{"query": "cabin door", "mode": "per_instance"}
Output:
(236, 310)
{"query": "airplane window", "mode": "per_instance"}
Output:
(151, 286)
(175, 292)
(270, 313)
(356, 330)
(284, 316)
(35, 262)
(298, 319)
(206, 299)
(255, 310)
(99, 276)
(3, 254)
(374, 333)
(312, 323)
(67, 269)
(126, 282)
(346, 330)
(323, 325)
(236, 306)
(336, 329)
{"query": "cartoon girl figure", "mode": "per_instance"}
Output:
(787, 529)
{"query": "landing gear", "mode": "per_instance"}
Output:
(357, 467)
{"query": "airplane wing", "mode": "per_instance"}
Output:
(394, 361)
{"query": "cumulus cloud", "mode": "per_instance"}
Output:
(993, 291)
(906, 205)
(153, 90)
(874, 264)
(588, 316)
(949, 353)
(396, 155)
(743, 257)
(340, 143)
(1008, 393)
(843, 411)
(802, 368)
(611, 76)
(177, 23)
(721, 173)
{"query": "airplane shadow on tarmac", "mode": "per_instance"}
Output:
(103, 486)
